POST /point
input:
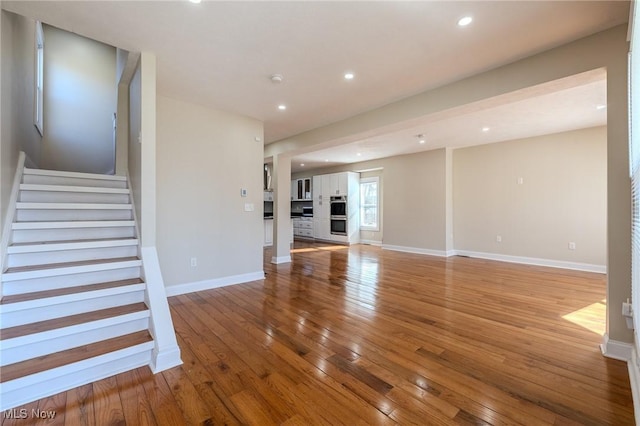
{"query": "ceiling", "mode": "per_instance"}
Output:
(222, 54)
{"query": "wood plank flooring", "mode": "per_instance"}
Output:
(357, 335)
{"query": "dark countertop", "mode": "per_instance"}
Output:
(293, 216)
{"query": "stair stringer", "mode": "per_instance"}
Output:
(166, 352)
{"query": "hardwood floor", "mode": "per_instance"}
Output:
(364, 336)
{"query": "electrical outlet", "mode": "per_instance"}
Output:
(194, 262)
(572, 245)
(498, 238)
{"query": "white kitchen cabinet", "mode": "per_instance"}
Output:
(336, 184)
(268, 232)
(301, 189)
(303, 227)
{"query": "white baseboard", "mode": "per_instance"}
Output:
(601, 269)
(416, 250)
(371, 242)
(615, 349)
(282, 259)
(634, 378)
(178, 289)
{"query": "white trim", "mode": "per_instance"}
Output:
(634, 378)
(416, 250)
(450, 253)
(376, 180)
(164, 359)
(68, 188)
(38, 248)
(56, 272)
(11, 211)
(85, 296)
(178, 289)
(371, 242)
(59, 173)
(74, 224)
(282, 259)
(614, 349)
(166, 353)
(72, 206)
(587, 267)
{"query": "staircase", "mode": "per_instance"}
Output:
(73, 304)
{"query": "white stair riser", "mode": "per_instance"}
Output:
(31, 388)
(31, 315)
(71, 197)
(64, 281)
(49, 215)
(43, 344)
(72, 181)
(70, 234)
(25, 259)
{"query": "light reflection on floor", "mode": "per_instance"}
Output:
(591, 317)
(324, 248)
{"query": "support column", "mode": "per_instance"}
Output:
(281, 209)
(448, 170)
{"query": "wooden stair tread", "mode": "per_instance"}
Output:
(52, 324)
(73, 241)
(68, 264)
(68, 290)
(58, 359)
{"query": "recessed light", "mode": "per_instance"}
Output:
(463, 22)
(301, 164)
(349, 76)
(282, 107)
(326, 161)
(486, 129)
(195, 1)
(601, 106)
(358, 154)
(422, 141)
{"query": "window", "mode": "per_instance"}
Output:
(39, 78)
(369, 204)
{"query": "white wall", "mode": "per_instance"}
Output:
(79, 103)
(562, 197)
(135, 153)
(16, 119)
(204, 158)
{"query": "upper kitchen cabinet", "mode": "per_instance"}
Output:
(301, 189)
(336, 184)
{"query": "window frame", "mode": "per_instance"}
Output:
(38, 113)
(364, 181)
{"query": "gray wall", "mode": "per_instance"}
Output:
(204, 158)
(413, 199)
(79, 102)
(562, 197)
(18, 131)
